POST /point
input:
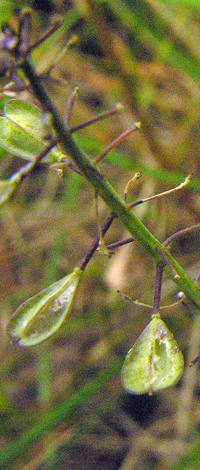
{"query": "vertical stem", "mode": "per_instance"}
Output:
(89, 253)
(158, 287)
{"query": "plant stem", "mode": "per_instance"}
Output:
(157, 287)
(133, 225)
(89, 253)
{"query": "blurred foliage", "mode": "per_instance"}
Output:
(61, 404)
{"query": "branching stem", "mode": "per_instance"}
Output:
(116, 204)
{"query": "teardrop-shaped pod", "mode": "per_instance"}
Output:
(27, 115)
(155, 362)
(42, 315)
(22, 132)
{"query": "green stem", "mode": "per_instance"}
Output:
(133, 225)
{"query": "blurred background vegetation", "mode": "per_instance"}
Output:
(62, 406)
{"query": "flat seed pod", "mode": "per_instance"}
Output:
(42, 315)
(27, 116)
(155, 362)
(22, 132)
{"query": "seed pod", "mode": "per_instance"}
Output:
(155, 362)
(23, 132)
(42, 315)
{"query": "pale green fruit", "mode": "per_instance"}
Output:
(23, 132)
(42, 315)
(155, 362)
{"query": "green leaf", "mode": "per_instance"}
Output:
(155, 362)
(23, 132)
(42, 315)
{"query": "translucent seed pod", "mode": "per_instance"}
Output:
(23, 132)
(155, 362)
(42, 315)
